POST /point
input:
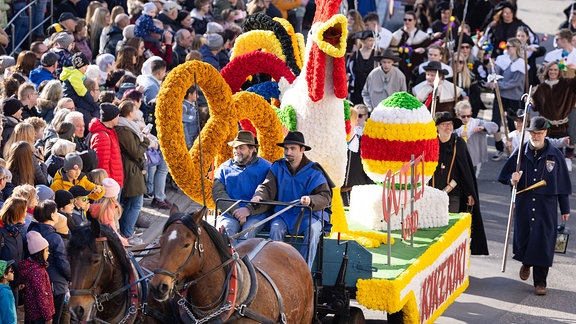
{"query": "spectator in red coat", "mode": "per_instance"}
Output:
(104, 140)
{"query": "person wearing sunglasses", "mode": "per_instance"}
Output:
(7, 303)
(81, 204)
(474, 132)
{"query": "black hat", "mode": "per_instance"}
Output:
(67, 15)
(435, 66)
(465, 40)
(62, 198)
(49, 59)
(445, 116)
(66, 130)
(519, 114)
(79, 60)
(504, 4)
(569, 9)
(365, 34)
(387, 54)
(295, 137)
(441, 6)
(538, 123)
(72, 161)
(108, 111)
(78, 191)
(11, 105)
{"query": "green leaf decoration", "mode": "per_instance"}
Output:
(287, 116)
(402, 100)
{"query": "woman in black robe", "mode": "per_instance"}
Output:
(455, 175)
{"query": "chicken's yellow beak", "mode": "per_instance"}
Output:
(330, 36)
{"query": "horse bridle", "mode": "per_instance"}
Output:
(107, 257)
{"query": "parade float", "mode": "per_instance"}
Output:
(418, 253)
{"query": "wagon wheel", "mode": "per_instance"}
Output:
(356, 317)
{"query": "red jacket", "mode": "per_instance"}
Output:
(38, 299)
(104, 141)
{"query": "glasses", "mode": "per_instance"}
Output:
(362, 115)
(465, 116)
(408, 19)
(460, 62)
(85, 199)
(508, 46)
(465, 46)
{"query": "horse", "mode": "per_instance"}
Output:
(107, 285)
(260, 281)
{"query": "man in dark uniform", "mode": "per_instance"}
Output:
(536, 217)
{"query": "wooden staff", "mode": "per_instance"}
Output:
(538, 184)
(454, 63)
(494, 77)
(525, 47)
(515, 185)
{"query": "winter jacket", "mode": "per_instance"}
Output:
(9, 124)
(84, 104)
(61, 182)
(145, 25)
(38, 298)
(40, 74)
(7, 305)
(64, 58)
(104, 141)
(76, 79)
(54, 163)
(133, 161)
(114, 36)
(209, 58)
(58, 265)
(12, 249)
(46, 109)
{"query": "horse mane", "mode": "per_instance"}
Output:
(220, 242)
(83, 237)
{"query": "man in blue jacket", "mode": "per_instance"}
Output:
(238, 178)
(536, 217)
(295, 177)
(46, 71)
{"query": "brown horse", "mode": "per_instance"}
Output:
(198, 270)
(107, 286)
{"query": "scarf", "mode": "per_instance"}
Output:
(123, 121)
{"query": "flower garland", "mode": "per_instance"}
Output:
(263, 22)
(225, 111)
(347, 121)
(290, 30)
(399, 127)
(267, 89)
(241, 67)
(384, 294)
(287, 116)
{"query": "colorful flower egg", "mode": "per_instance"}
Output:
(399, 127)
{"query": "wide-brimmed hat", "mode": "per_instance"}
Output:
(5, 264)
(441, 6)
(365, 34)
(445, 116)
(538, 123)
(387, 54)
(465, 40)
(295, 137)
(244, 138)
(505, 4)
(436, 66)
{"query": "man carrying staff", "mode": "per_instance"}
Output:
(295, 177)
(536, 212)
(237, 179)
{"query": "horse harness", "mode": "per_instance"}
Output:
(137, 295)
(228, 310)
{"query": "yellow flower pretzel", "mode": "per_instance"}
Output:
(225, 112)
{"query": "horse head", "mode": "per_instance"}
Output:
(180, 252)
(94, 252)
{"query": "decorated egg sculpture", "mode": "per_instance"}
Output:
(400, 126)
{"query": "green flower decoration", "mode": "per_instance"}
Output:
(346, 110)
(287, 117)
(402, 100)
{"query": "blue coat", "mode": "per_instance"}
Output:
(58, 265)
(293, 187)
(536, 213)
(40, 74)
(12, 248)
(7, 305)
(241, 182)
(209, 58)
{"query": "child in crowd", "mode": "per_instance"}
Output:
(190, 117)
(145, 23)
(38, 299)
(71, 174)
(75, 73)
(58, 269)
(474, 131)
(7, 303)
(108, 210)
(81, 205)
(65, 206)
(97, 175)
